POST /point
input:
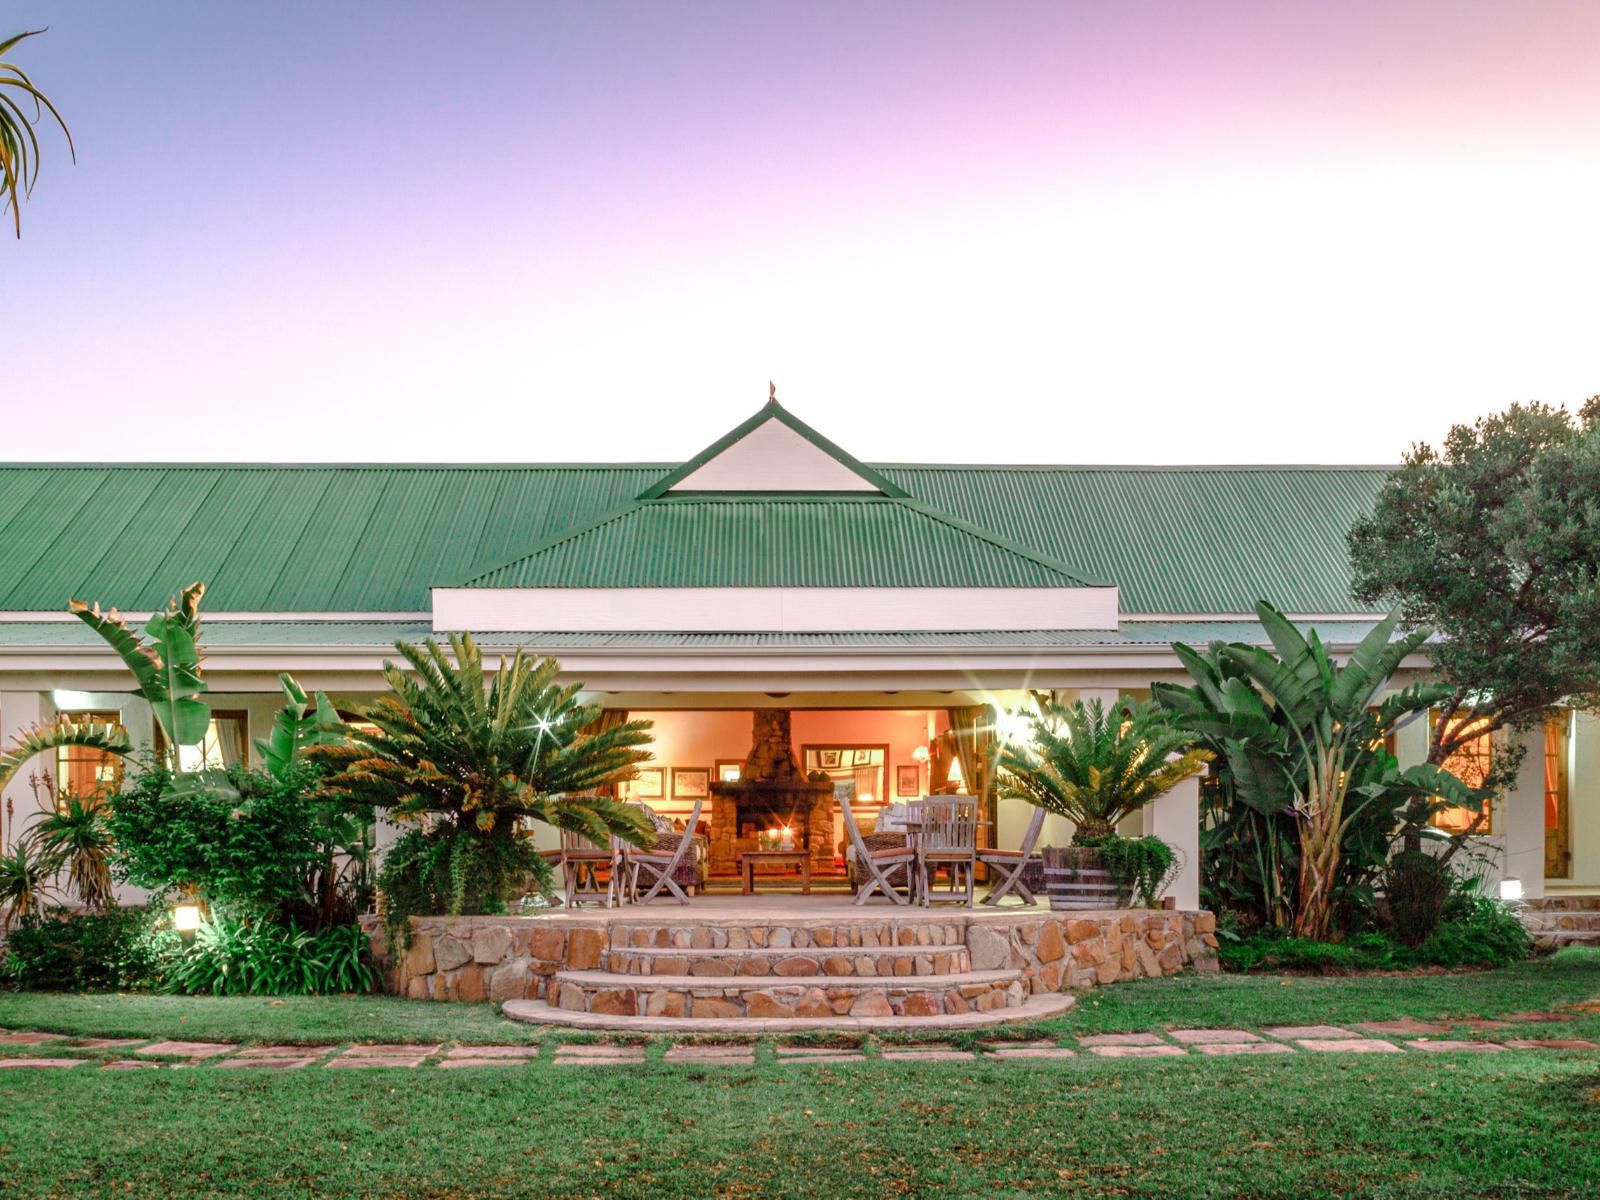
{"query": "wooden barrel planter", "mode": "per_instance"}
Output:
(1074, 879)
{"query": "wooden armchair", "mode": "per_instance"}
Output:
(1010, 865)
(657, 869)
(947, 840)
(879, 866)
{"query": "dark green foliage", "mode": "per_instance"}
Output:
(245, 958)
(1475, 931)
(453, 871)
(81, 952)
(1142, 866)
(1416, 885)
(1495, 542)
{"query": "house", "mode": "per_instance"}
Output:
(887, 609)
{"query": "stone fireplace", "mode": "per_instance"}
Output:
(772, 791)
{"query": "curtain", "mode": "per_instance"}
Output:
(973, 739)
(230, 740)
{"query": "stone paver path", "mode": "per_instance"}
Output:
(1367, 1037)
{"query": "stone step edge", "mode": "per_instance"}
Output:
(1034, 1008)
(765, 983)
(785, 951)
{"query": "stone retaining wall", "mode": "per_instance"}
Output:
(513, 958)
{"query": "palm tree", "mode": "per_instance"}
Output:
(1095, 765)
(19, 142)
(468, 758)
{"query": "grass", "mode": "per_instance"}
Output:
(1185, 1001)
(1310, 1126)
(1307, 1125)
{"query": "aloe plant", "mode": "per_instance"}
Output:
(19, 141)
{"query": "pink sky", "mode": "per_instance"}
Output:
(1022, 232)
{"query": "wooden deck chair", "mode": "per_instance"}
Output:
(655, 867)
(948, 839)
(880, 866)
(1009, 865)
(581, 864)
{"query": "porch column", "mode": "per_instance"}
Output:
(1522, 818)
(1175, 819)
(20, 711)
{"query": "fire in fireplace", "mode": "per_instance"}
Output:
(772, 792)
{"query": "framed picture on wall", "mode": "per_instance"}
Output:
(647, 786)
(829, 759)
(691, 783)
(729, 770)
(908, 780)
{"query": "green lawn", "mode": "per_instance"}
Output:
(1306, 1125)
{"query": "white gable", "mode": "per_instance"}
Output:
(773, 458)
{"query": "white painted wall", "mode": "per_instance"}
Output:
(788, 610)
(1583, 806)
(773, 458)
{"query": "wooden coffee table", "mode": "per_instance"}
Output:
(750, 859)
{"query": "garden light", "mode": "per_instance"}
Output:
(1511, 889)
(186, 919)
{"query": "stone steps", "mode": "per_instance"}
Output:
(1550, 939)
(1034, 1008)
(692, 997)
(1563, 904)
(1559, 921)
(822, 933)
(898, 962)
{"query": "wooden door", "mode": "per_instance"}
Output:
(1557, 832)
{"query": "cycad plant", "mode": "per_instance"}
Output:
(468, 757)
(1095, 765)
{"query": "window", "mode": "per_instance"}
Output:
(1470, 764)
(83, 770)
(225, 744)
(1557, 836)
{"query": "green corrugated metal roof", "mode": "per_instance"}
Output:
(375, 538)
(381, 635)
(837, 540)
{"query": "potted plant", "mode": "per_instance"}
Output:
(1095, 766)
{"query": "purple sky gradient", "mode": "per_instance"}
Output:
(1167, 232)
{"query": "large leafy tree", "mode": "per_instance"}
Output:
(1095, 765)
(1300, 735)
(1494, 540)
(22, 108)
(466, 757)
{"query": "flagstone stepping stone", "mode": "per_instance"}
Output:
(12, 1064)
(1158, 1051)
(1478, 1024)
(1552, 1044)
(1442, 1045)
(1219, 1049)
(1293, 1033)
(278, 1063)
(1405, 1025)
(1539, 1018)
(30, 1039)
(1204, 1037)
(1033, 1052)
(599, 1053)
(450, 1064)
(1035, 1044)
(929, 1055)
(191, 1050)
(816, 1051)
(505, 1052)
(738, 1055)
(377, 1061)
(1122, 1039)
(1349, 1044)
(846, 1057)
(251, 1053)
(107, 1043)
(625, 1055)
(131, 1064)
(398, 1049)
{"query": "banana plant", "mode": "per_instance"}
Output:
(166, 670)
(297, 726)
(1300, 734)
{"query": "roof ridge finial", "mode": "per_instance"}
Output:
(772, 392)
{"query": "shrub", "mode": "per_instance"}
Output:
(249, 847)
(244, 958)
(60, 950)
(1475, 931)
(1142, 867)
(1417, 884)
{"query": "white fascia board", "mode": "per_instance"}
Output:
(63, 617)
(772, 610)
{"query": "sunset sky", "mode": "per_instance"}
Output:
(1004, 232)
